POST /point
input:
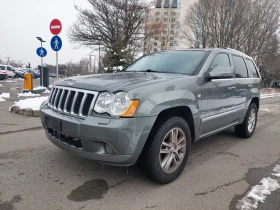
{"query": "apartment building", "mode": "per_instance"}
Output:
(163, 25)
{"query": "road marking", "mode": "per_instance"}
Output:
(265, 109)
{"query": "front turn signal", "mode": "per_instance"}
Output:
(130, 111)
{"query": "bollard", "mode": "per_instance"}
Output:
(13, 94)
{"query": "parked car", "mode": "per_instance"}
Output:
(29, 70)
(3, 75)
(52, 75)
(9, 70)
(152, 111)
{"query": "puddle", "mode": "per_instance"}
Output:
(90, 190)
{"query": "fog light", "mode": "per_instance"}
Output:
(109, 149)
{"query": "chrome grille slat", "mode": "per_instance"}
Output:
(76, 101)
(60, 101)
(66, 101)
(53, 97)
(82, 104)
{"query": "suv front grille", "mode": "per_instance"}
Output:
(72, 101)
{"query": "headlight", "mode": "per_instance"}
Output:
(118, 104)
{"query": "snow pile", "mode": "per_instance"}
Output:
(277, 170)
(28, 94)
(42, 88)
(2, 99)
(46, 91)
(258, 194)
(5, 95)
(31, 103)
(1, 85)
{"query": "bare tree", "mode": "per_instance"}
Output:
(249, 26)
(114, 24)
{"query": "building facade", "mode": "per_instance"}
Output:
(164, 23)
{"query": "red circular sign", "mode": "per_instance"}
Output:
(55, 27)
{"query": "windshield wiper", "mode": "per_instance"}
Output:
(148, 70)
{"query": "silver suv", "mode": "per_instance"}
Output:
(153, 110)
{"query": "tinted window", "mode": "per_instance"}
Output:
(9, 68)
(220, 60)
(2, 67)
(252, 69)
(181, 62)
(239, 67)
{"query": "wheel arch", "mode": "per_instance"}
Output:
(178, 111)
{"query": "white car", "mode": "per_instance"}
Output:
(9, 69)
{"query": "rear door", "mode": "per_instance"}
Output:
(244, 85)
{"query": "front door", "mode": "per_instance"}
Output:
(217, 102)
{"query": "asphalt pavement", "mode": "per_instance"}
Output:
(35, 174)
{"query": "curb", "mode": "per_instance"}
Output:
(25, 112)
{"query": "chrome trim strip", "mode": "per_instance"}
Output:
(218, 130)
(221, 114)
(56, 98)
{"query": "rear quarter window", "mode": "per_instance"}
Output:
(239, 67)
(252, 69)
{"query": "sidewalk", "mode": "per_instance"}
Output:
(10, 122)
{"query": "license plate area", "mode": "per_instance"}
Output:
(53, 123)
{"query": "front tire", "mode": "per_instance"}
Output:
(166, 151)
(247, 128)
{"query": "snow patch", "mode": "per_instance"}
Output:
(277, 170)
(258, 194)
(2, 99)
(31, 103)
(1, 85)
(39, 88)
(46, 91)
(5, 95)
(28, 94)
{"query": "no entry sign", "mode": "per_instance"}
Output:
(55, 27)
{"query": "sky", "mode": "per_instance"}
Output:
(21, 21)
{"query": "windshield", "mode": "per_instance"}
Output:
(180, 62)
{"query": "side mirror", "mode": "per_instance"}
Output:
(221, 72)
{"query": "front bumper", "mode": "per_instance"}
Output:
(110, 141)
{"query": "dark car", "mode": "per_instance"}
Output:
(152, 111)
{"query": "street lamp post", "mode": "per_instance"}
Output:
(41, 40)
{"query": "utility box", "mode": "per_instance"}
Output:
(28, 82)
(44, 77)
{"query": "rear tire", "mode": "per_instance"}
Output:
(247, 128)
(166, 151)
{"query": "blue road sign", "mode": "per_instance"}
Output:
(41, 52)
(56, 43)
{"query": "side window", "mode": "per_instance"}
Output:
(239, 67)
(9, 68)
(220, 60)
(2, 67)
(252, 69)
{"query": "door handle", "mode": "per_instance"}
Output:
(231, 88)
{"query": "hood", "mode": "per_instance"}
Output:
(116, 81)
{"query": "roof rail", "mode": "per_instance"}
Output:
(234, 50)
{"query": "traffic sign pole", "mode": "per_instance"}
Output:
(56, 42)
(56, 64)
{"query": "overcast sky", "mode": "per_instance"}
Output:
(22, 20)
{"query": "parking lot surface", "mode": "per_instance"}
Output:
(35, 174)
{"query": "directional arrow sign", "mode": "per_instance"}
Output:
(55, 27)
(56, 43)
(41, 52)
